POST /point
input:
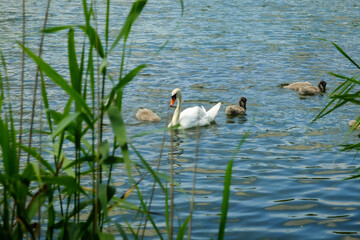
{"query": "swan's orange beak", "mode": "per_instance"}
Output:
(173, 99)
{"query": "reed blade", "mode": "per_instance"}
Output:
(56, 78)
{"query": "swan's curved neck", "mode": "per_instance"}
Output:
(175, 118)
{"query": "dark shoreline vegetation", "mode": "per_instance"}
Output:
(43, 194)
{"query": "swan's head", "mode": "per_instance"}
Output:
(242, 102)
(322, 86)
(176, 93)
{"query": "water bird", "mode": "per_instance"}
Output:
(352, 123)
(237, 110)
(144, 114)
(193, 116)
(312, 90)
(297, 85)
(306, 88)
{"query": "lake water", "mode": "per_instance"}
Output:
(288, 178)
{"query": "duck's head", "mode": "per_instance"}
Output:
(176, 93)
(322, 86)
(242, 102)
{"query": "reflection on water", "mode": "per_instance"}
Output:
(287, 180)
(176, 150)
(240, 119)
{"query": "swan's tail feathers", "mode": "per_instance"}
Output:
(213, 111)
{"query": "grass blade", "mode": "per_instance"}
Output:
(225, 202)
(8, 147)
(148, 168)
(66, 181)
(135, 11)
(344, 88)
(73, 65)
(128, 77)
(119, 130)
(55, 77)
(32, 152)
(46, 102)
(345, 55)
(64, 123)
(226, 193)
(182, 229)
(94, 39)
(56, 29)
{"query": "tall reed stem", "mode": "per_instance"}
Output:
(171, 230)
(22, 79)
(36, 80)
(194, 182)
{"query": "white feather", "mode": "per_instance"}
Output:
(194, 116)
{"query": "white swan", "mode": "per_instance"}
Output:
(145, 114)
(237, 110)
(191, 117)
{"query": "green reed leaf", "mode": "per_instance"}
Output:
(352, 79)
(348, 147)
(123, 204)
(87, 13)
(46, 102)
(32, 152)
(65, 122)
(56, 29)
(103, 198)
(344, 88)
(148, 168)
(148, 214)
(94, 39)
(225, 202)
(106, 236)
(106, 193)
(345, 55)
(6, 211)
(182, 229)
(66, 181)
(119, 130)
(73, 65)
(353, 177)
(124, 81)
(35, 203)
(122, 231)
(8, 148)
(2, 93)
(135, 11)
(56, 77)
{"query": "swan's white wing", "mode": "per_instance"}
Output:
(211, 114)
(192, 117)
(193, 112)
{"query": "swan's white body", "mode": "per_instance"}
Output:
(191, 117)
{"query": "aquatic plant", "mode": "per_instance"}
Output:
(46, 196)
(345, 93)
